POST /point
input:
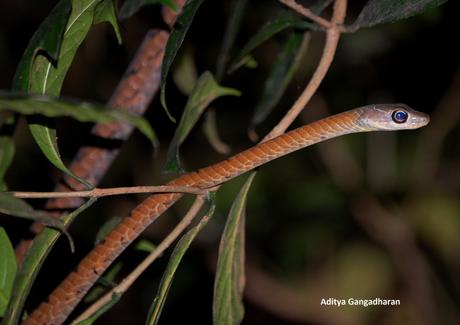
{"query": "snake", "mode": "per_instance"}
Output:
(377, 117)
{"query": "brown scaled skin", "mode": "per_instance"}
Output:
(369, 118)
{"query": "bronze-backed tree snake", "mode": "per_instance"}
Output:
(383, 117)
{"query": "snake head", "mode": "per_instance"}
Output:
(390, 117)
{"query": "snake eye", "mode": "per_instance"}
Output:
(399, 116)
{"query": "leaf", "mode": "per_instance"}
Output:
(145, 246)
(205, 91)
(8, 270)
(231, 30)
(36, 255)
(90, 320)
(229, 280)
(175, 40)
(210, 130)
(281, 74)
(6, 157)
(265, 32)
(184, 72)
(130, 7)
(44, 75)
(106, 11)
(168, 275)
(83, 112)
(16, 207)
(47, 39)
(377, 12)
(107, 227)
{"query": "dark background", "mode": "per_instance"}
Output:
(305, 239)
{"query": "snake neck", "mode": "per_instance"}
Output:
(302, 137)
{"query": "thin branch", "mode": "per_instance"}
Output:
(307, 13)
(332, 39)
(101, 192)
(129, 280)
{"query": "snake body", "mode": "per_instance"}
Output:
(364, 119)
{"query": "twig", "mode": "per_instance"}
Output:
(332, 38)
(101, 192)
(129, 280)
(307, 13)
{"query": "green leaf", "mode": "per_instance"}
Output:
(130, 7)
(90, 320)
(168, 276)
(175, 40)
(145, 246)
(377, 12)
(8, 270)
(6, 157)
(47, 40)
(184, 72)
(106, 228)
(205, 91)
(267, 31)
(106, 11)
(41, 74)
(281, 74)
(28, 271)
(231, 30)
(13, 206)
(229, 280)
(83, 112)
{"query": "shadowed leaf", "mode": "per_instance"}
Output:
(175, 40)
(16, 207)
(6, 157)
(106, 11)
(130, 7)
(8, 270)
(205, 91)
(281, 74)
(83, 112)
(168, 276)
(265, 32)
(100, 311)
(229, 280)
(383, 11)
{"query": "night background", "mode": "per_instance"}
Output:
(366, 215)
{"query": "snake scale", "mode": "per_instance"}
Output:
(382, 117)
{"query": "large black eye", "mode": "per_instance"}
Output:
(400, 116)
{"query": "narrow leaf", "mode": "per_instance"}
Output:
(13, 206)
(383, 11)
(184, 72)
(130, 7)
(168, 276)
(281, 74)
(8, 270)
(90, 320)
(6, 157)
(39, 249)
(265, 32)
(231, 30)
(229, 280)
(83, 112)
(175, 40)
(205, 91)
(145, 246)
(106, 11)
